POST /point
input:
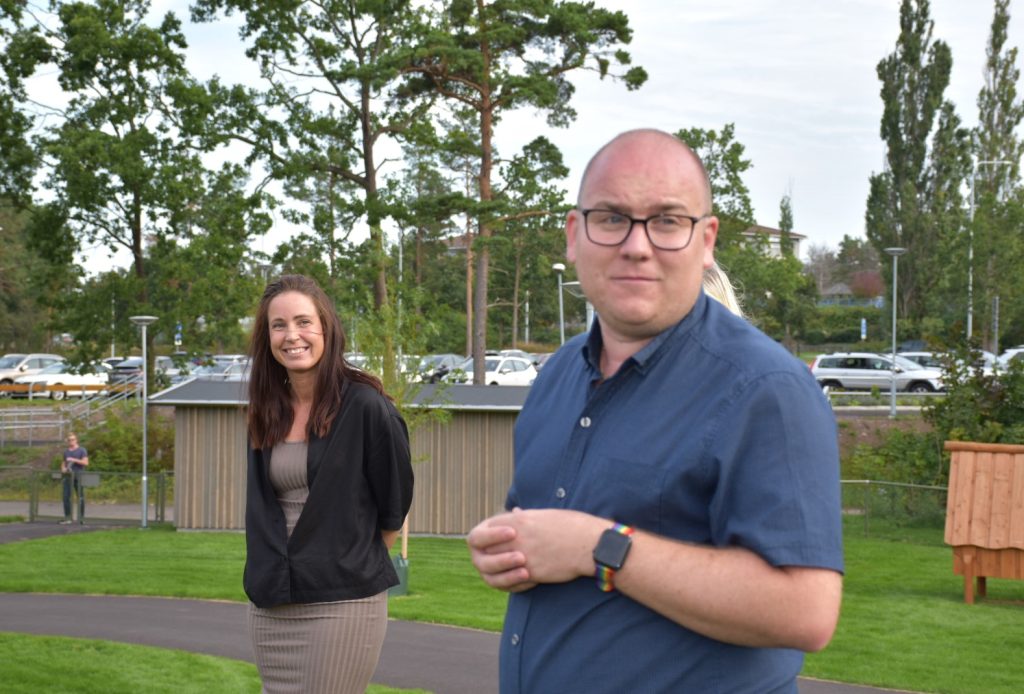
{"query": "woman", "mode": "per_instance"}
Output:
(329, 485)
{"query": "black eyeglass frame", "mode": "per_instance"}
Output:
(633, 221)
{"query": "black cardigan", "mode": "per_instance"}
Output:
(360, 482)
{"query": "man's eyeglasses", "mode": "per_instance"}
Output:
(668, 232)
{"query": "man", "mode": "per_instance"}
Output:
(75, 460)
(710, 449)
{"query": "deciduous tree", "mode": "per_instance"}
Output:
(998, 245)
(916, 202)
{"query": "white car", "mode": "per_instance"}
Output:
(13, 366)
(498, 371)
(1012, 354)
(63, 374)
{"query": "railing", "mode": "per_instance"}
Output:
(868, 398)
(114, 393)
(110, 496)
(32, 425)
(29, 426)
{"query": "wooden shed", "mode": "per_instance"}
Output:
(463, 466)
(985, 513)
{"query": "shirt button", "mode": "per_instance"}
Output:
(560, 493)
(515, 639)
(585, 422)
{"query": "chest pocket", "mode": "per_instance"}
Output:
(627, 491)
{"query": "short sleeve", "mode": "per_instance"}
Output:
(776, 455)
(388, 467)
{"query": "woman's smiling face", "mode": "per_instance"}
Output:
(296, 334)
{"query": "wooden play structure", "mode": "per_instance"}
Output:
(985, 513)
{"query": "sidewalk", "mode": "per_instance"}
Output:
(94, 512)
(441, 659)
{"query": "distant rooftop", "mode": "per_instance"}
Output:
(198, 392)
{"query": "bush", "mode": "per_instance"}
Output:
(987, 408)
(904, 456)
(116, 445)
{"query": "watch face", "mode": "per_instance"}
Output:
(612, 549)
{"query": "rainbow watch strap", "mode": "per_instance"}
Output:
(604, 574)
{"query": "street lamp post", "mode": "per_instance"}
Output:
(970, 244)
(560, 268)
(144, 321)
(895, 253)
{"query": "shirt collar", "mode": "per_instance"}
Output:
(648, 355)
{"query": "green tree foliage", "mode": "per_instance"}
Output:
(723, 158)
(494, 57)
(21, 327)
(856, 256)
(527, 241)
(916, 202)
(776, 294)
(114, 162)
(786, 225)
(998, 199)
(979, 406)
(208, 284)
(332, 71)
(21, 49)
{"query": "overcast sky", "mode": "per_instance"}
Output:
(797, 77)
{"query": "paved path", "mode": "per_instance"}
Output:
(445, 660)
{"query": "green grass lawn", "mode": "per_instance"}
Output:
(903, 624)
(60, 665)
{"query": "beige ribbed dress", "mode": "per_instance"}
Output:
(318, 647)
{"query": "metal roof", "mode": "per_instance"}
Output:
(199, 392)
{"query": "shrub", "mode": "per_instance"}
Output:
(116, 445)
(987, 408)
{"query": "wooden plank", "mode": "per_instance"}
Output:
(961, 498)
(981, 503)
(953, 446)
(999, 510)
(1015, 537)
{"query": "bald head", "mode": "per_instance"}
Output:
(631, 137)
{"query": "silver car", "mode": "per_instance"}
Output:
(867, 370)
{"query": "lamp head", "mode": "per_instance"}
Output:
(558, 267)
(142, 320)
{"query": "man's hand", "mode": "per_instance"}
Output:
(500, 565)
(516, 551)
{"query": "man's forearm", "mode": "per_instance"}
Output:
(732, 594)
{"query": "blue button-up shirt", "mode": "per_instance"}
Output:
(711, 434)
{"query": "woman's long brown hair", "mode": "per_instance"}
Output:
(270, 408)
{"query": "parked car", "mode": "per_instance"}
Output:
(434, 367)
(212, 372)
(13, 366)
(239, 371)
(1012, 354)
(929, 360)
(540, 359)
(126, 371)
(935, 360)
(228, 358)
(357, 360)
(498, 371)
(867, 370)
(64, 374)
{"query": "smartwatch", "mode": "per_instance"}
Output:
(610, 554)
